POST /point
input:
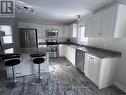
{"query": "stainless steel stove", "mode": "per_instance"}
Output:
(53, 45)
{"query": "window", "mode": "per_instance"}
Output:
(8, 33)
(82, 38)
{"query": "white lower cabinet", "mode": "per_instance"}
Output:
(100, 71)
(68, 52)
(61, 51)
(71, 52)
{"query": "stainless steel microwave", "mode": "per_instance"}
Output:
(52, 33)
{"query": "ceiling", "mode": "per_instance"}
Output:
(63, 11)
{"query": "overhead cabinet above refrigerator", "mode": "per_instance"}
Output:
(28, 38)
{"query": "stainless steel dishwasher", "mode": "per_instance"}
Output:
(80, 57)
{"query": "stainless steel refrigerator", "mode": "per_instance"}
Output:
(28, 38)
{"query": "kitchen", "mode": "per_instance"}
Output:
(82, 54)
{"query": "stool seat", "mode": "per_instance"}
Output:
(12, 62)
(9, 56)
(37, 55)
(38, 60)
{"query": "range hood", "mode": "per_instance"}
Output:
(2, 33)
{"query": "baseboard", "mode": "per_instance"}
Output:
(122, 87)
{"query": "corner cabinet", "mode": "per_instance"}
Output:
(68, 52)
(100, 71)
(61, 50)
(71, 52)
(109, 22)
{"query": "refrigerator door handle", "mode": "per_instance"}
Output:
(26, 39)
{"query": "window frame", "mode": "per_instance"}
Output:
(11, 34)
(79, 36)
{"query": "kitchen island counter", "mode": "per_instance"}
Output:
(25, 50)
(26, 66)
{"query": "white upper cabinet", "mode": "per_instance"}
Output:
(73, 30)
(120, 24)
(65, 31)
(94, 25)
(109, 22)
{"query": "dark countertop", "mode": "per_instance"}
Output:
(25, 50)
(98, 52)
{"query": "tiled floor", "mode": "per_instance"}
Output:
(63, 79)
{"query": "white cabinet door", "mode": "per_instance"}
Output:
(73, 30)
(86, 65)
(70, 54)
(120, 27)
(92, 68)
(88, 26)
(65, 51)
(65, 31)
(96, 71)
(100, 71)
(94, 25)
(61, 51)
(70, 30)
(108, 22)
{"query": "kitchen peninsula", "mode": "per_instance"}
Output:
(26, 66)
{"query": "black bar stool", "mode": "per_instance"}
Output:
(12, 60)
(38, 59)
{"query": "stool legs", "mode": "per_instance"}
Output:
(39, 74)
(39, 71)
(13, 74)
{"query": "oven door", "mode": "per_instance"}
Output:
(54, 51)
